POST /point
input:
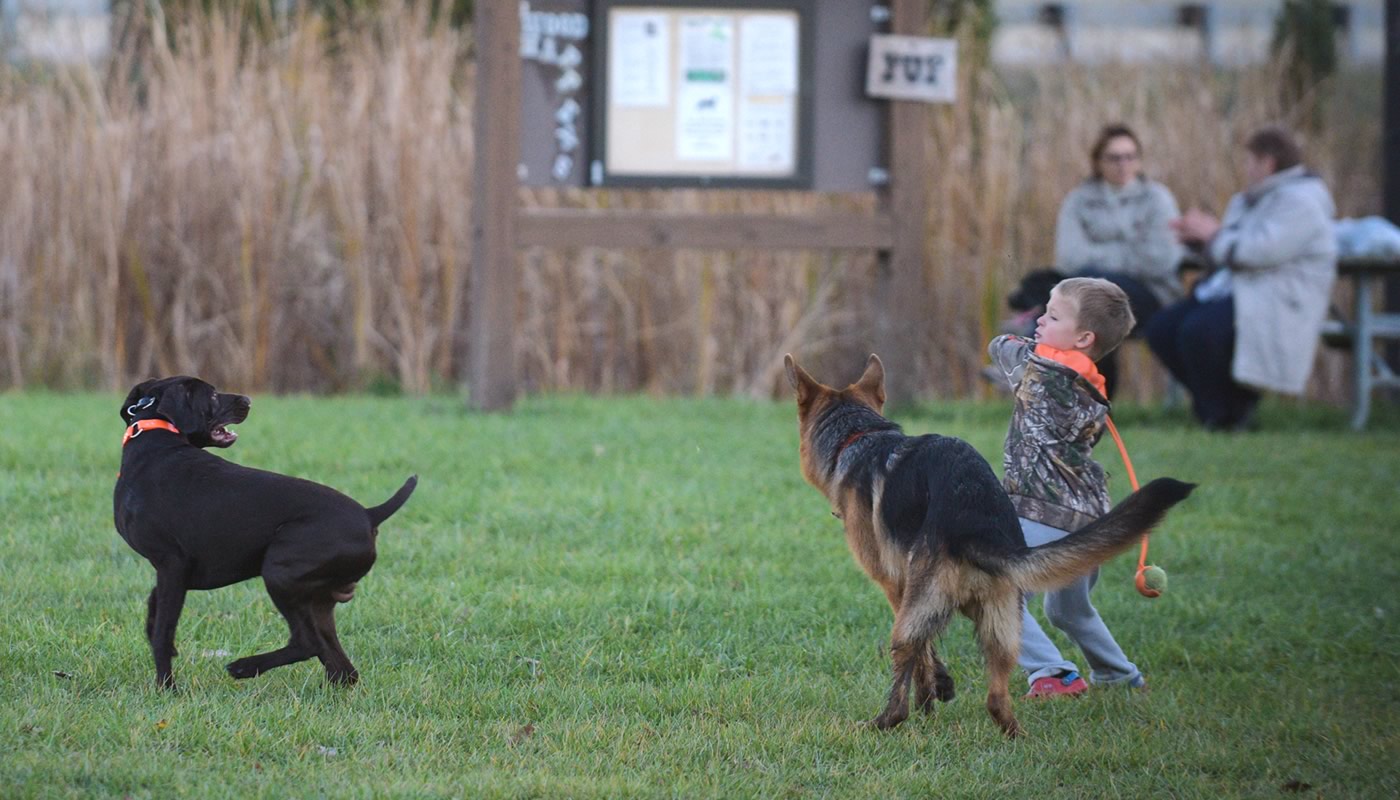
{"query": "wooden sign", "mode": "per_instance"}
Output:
(912, 68)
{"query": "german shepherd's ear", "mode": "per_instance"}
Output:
(872, 383)
(805, 385)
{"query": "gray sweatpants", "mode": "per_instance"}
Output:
(1069, 610)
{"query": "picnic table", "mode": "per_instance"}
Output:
(1366, 328)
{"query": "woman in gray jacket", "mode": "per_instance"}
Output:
(1254, 323)
(1116, 225)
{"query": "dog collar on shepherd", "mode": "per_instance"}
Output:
(139, 426)
(850, 440)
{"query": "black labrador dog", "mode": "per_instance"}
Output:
(1033, 292)
(204, 522)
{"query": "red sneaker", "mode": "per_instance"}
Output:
(1069, 685)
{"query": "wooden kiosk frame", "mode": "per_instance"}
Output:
(500, 225)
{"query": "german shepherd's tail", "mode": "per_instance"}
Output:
(386, 509)
(1053, 565)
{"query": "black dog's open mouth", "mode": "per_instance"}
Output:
(233, 409)
(222, 436)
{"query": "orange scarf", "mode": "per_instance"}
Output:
(1076, 361)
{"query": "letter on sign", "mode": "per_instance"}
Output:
(912, 68)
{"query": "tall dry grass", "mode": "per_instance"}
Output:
(264, 213)
(294, 214)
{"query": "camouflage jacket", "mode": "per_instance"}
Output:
(1050, 471)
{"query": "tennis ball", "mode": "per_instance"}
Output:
(1155, 578)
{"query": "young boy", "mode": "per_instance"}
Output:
(1051, 476)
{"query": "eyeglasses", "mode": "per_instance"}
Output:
(1120, 158)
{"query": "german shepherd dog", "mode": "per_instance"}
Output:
(928, 520)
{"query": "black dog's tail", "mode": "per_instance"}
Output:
(1053, 565)
(386, 509)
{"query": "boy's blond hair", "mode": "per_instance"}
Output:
(1102, 307)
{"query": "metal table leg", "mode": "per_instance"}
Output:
(1361, 353)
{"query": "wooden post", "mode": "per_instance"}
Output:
(494, 281)
(1390, 123)
(1390, 149)
(901, 292)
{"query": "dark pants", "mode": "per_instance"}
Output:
(1196, 342)
(1145, 306)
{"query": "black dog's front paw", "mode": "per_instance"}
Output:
(244, 668)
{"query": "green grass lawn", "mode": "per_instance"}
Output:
(633, 597)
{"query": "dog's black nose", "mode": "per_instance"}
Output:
(238, 406)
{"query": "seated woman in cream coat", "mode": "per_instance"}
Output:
(1253, 324)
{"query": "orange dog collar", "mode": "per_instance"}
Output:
(136, 428)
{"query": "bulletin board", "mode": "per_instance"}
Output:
(703, 93)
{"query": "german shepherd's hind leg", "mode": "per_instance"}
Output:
(923, 614)
(905, 665)
(931, 681)
(998, 622)
(905, 655)
(931, 678)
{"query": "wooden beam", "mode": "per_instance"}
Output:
(494, 282)
(901, 291)
(556, 227)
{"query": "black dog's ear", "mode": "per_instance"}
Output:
(138, 392)
(186, 404)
